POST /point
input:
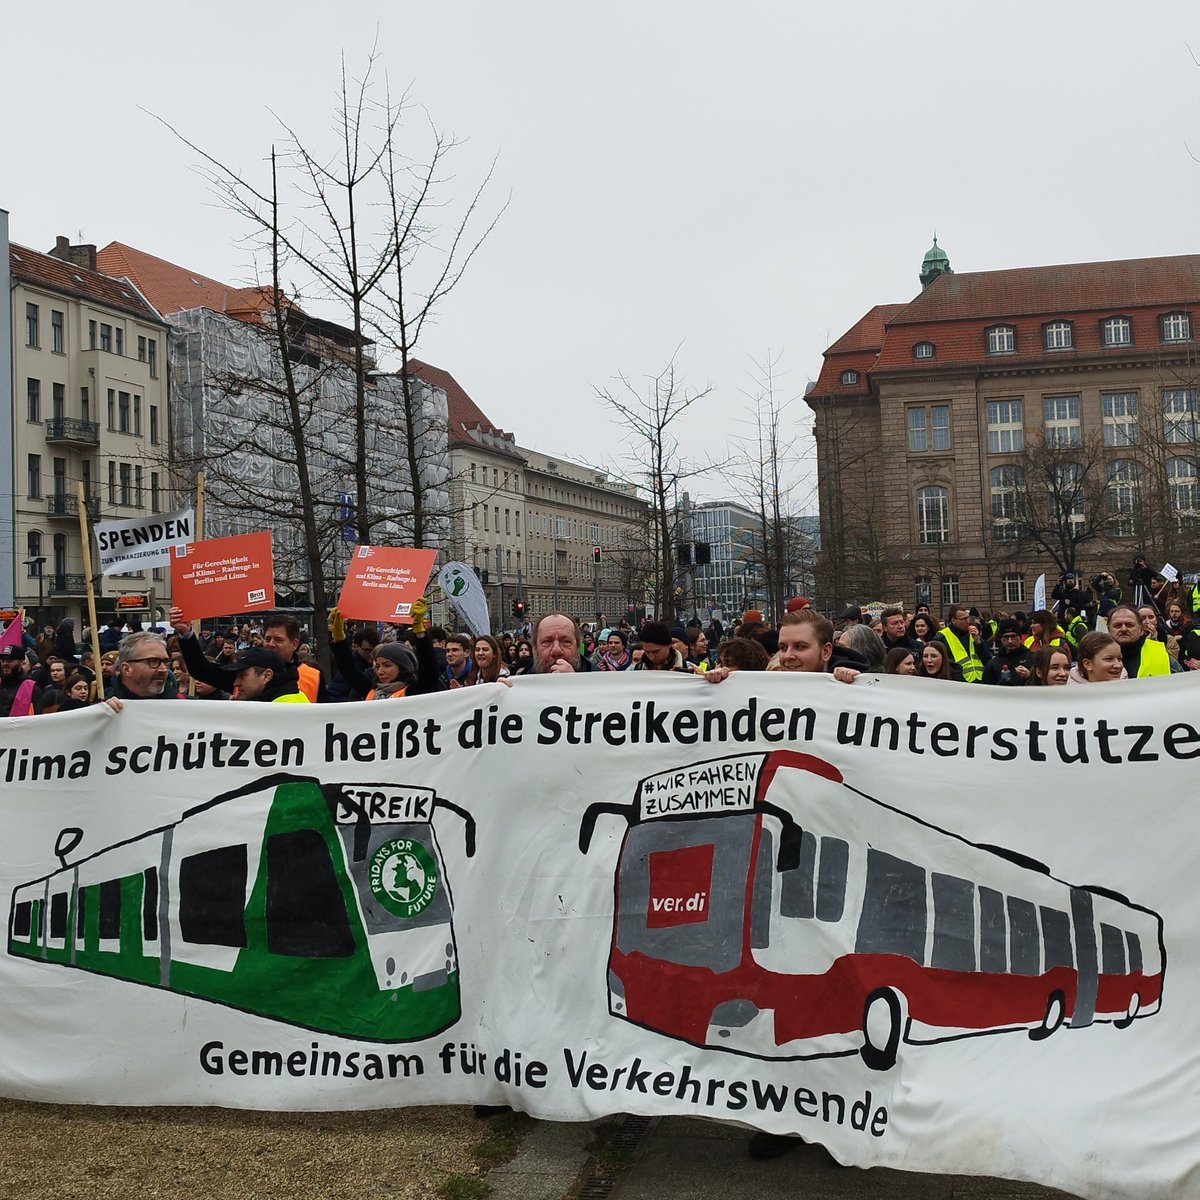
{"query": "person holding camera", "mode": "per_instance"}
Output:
(1140, 583)
(1068, 594)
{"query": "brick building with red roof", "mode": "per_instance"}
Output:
(943, 425)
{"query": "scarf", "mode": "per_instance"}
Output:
(609, 662)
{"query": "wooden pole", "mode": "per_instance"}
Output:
(96, 690)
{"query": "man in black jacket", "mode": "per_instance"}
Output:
(1012, 664)
(895, 631)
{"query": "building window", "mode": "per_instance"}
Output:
(152, 357)
(1179, 415)
(1014, 589)
(1058, 335)
(1183, 482)
(33, 547)
(137, 416)
(849, 378)
(472, 472)
(137, 486)
(126, 485)
(91, 335)
(112, 409)
(1060, 421)
(57, 339)
(34, 489)
(1001, 339)
(929, 428)
(141, 349)
(122, 412)
(112, 482)
(1176, 327)
(31, 324)
(105, 336)
(924, 350)
(1006, 427)
(950, 591)
(933, 515)
(85, 403)
(1119, 410)
(1116, 331)
(155, 497)
(1066, 484)
(154, 424)
(1007, 484)
(33, 400)
(119, 340)
(59, 403)
(1124, 480)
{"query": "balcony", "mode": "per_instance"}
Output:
(66, 507)
(66, 585)
(78, 433)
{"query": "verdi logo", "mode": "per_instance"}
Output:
(403, 877)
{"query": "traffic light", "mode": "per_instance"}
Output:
(703, 554)
(518, 608)
(595, 554)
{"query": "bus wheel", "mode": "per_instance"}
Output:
(1056, 1010)
(1135, 1004)
(883, 1025)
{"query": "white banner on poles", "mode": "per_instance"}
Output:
(463, 589)
(931, 926)
(143, 541)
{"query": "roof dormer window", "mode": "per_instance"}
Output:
(1001, 339)
(1116, 331)
(1176, 327)
(1058, 335)
(924, 350)
(849, 378)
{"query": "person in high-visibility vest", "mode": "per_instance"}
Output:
(263, 675)
(1076, 626)
(281, 633)
(1043, 631)
(1142, 655)
(969, 653)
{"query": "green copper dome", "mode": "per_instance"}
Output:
(936, 262)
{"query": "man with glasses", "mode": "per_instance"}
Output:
(143, 670)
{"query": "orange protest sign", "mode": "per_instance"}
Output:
(383, 581)
(223, 576)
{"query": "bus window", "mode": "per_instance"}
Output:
(58, 916)
(1056, 936)
(80, 915)
(1112, 951)
(953, 923)
(212, 897)
(893, 917)
(22, 924)
(150, 904)
(796, 886)
(1135, 953)
(831, 879)
(760, 895)
(993, 955)
(110, 909)
(306, 912)
(1026, 952)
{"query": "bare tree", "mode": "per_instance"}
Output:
(649, 416)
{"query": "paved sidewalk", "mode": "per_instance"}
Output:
(685, 1159)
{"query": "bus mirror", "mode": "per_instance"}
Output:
(468, 823)
(588, 825)
(66, 841)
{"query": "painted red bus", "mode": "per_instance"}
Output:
(764, 906)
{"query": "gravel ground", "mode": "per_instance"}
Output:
(49, 1152)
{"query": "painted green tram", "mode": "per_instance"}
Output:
(324, 906)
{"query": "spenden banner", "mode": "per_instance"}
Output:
(931, 926)
(223, 576)
(383, 581)
(143, 542)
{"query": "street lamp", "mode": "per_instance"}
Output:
(35, 566)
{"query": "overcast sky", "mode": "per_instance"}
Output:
(731, 180)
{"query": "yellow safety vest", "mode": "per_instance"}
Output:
(292, 698)
(966, 657)
(1155, 660)
(1029, 639)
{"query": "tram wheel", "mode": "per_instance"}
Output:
(883, 1026)
(1056, 1011)
(1135, 1006)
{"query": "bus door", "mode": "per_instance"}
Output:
(399, 877)
(1086, 958)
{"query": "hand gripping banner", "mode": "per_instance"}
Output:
(931, 926)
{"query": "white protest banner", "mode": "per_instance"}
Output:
(932, 926)
(1169, 572)
(1039, 593)
(143, 541)
(465, 592)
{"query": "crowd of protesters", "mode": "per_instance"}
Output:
(1087, 634)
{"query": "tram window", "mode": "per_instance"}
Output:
(58, 915)
(41, 919)
(110, 909)
(1112, 950)
(953, 923)
(306, 912)
(992, 953)
(1056, 935)
(893, 917)
(1135, 953)
(212, 897)
(80, 915)
(1026, 952)
(831, 879)
(796, 886)
(150, 904)
(23, 919)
